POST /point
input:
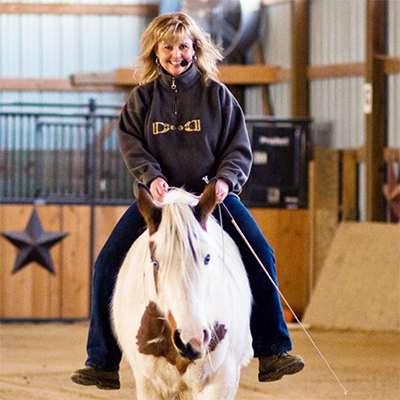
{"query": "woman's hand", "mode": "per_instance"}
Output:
(221, 190)
(158, 188)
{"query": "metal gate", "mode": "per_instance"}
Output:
(62, 158)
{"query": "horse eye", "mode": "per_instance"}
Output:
(156, 265)
(207, 259)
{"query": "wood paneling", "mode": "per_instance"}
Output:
(16, 290)
(33, 293)
(106, 217)
(45, 285)
(76, 272)
(30, 292)
(287, 232)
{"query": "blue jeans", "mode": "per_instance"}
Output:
(268, 326)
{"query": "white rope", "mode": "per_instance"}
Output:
(278, 290)
(222, 240)
(282, 296)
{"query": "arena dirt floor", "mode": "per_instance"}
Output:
(37, 359)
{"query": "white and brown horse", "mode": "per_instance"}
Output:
(182, 302)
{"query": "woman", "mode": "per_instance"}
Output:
(177, 127)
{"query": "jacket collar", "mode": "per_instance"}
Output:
(185, 80)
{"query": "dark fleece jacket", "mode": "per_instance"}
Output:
(180, 129)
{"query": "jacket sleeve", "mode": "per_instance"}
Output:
(131, 128)
(235, 151)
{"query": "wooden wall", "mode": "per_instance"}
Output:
(287, 233)
(33, 293)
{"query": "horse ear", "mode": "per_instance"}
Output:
(206, 204)
(149, 210)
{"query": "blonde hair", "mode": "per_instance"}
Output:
(171, 28)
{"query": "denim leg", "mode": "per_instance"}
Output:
(102, 347)
(268, 326)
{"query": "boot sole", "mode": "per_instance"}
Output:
(90, 381)
(290, 369)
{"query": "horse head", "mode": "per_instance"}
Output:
(181, 257)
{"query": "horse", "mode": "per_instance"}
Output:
(182, 302)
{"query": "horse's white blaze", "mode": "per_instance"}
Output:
(203, 291)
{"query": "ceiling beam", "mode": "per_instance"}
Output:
(228, 74)
(50, 85)
(144, 10)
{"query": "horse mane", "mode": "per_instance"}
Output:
(179, 234)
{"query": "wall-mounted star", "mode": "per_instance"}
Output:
(34, 244)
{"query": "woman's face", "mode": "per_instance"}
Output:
(172, 54)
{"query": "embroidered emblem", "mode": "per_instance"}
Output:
(190, 126)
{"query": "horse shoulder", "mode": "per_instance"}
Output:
(231, 291)
(130, 294)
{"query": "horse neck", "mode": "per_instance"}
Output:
(180, 241)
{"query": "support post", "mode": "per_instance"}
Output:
(376, 115)
(300, 56)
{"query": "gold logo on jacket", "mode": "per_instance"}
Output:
(190, 126)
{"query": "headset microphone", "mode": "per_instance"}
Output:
(185, 63)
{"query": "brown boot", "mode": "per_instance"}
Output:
(273, 368)
(88, 376)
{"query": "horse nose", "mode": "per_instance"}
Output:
(192, 348)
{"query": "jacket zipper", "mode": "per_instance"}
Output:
(175, 105)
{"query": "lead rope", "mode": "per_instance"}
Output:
(205, 178)
(282, 296)
(222, 239)
(146, 297)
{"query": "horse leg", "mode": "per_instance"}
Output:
(184, 396)
(224, 384)
(145, 389)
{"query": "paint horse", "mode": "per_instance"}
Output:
(182, 302)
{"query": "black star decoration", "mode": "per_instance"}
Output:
(34, 244)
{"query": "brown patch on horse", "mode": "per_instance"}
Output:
(149, 210)
(206, 204)
(155, 337)
(218, 334)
